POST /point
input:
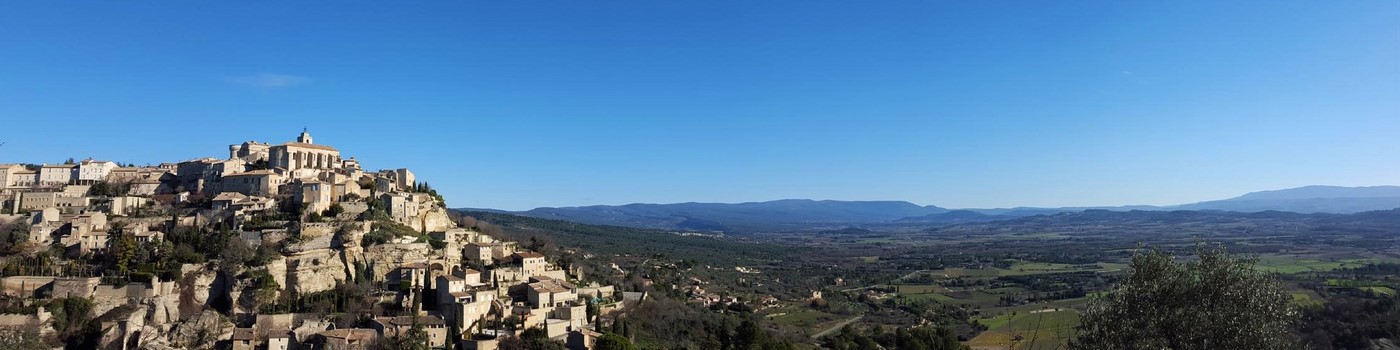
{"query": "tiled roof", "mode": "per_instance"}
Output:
(529, 255)
(551, 286)
(253, 173)
(310, 145)
(351, 334)
(242, 334)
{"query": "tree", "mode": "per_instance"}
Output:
(611, 341)
(334, 210)
(535, 338)
(234, 255)
(124, 251)
(749, 336)
(1219, 302)
(12, 234)
(415, 339)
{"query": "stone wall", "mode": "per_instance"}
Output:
(23, 285)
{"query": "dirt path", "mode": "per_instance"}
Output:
(836, 327)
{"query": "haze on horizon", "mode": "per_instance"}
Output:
(522, 105)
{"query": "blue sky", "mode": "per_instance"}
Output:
(519, 104)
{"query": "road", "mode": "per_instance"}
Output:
(906, 276)
(836, 327)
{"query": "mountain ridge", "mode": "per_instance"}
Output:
(798, 214)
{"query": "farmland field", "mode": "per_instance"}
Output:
(1288, 263)
(1032, 330)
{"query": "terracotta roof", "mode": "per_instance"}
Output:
(551, 286)
(242, 334)
(406, 321)
(309, 145)
(252, 173)
(529, 255)
(229, 196)
(414, 265)
(351, 334)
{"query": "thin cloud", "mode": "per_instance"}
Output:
(266, 80)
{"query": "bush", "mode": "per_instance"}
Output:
(334, 210)
(1168, 304)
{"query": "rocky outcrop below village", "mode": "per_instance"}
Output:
(273, 246)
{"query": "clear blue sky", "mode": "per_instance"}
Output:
(518, 104)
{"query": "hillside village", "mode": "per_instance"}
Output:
(276, 246)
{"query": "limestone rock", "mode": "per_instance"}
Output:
(383, 259)
(315, 271)
(200, 331)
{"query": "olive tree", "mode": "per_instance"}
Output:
(1215, 302)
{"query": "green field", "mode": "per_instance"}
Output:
(1289, 263)
(918, 288)
(1029, 330)
(1380, 290)
(1027, 268)
(801, 317)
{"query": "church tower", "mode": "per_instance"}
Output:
(305, 136)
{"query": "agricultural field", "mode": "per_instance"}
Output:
(1380, 290)
(1024, 268)
(909, 289)
(801, 317)
(1039, 329)
(1295, 263)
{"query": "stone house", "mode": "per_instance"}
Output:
(261, 183)
(393, 327)
(90, 171)
(549, 293)
(56, 174)
(349, 339)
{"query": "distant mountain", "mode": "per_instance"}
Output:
(771, 215)
(1029, 211)
(956, 217)
(805, 214)
(1187, 223)
(1310, 199)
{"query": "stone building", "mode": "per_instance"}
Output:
(251, 151)
(394, 180)
(19, 177)
(315, 196)
(10, 177)
(393, 327)
(549, 292)
(262, 183)
(304, 154)
(531, 263)
(145, 187)
(90, 171)
(349, 339)
(56, 174)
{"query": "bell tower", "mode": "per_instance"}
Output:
(305, 137)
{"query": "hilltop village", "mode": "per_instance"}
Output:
(276, 246)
